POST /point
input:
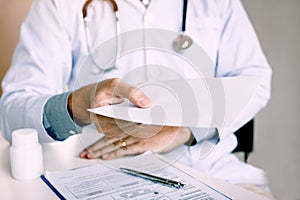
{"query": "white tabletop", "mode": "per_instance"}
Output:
(64, 155)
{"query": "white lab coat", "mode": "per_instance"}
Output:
(52, 53)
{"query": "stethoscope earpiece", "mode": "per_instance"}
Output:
(182, 42)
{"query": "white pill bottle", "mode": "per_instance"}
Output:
(26, 154)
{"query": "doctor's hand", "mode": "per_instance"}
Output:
(107, 92)
(143, 138)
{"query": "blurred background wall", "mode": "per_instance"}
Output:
(277, 134)
(11, 15)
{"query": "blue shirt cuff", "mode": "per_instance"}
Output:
(56, 118)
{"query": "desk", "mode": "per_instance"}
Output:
(64, 155)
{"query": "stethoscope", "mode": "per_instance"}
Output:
(181, 42)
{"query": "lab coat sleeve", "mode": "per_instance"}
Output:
(240, 54)
(41, 68)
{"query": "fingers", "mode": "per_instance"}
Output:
(110, 101)
(104, 147)
(131, 148)
(107, 92)
(112, 127)
(94, 150)
(123, 147)
(165, 141)
(134, 95)
(119, 89)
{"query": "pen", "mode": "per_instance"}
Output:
(153, 178)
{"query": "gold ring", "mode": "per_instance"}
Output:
(123, 143)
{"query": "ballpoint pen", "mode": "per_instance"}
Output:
(155, 179)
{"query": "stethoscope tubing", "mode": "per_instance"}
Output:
(184, 11)
(182, 42)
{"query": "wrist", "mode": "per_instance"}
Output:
(78, 103)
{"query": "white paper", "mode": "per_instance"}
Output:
(210, 102)
(104, 181)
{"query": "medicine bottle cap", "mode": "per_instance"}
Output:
(25, 136)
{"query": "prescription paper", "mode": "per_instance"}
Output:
(207, 102)
(105, 181)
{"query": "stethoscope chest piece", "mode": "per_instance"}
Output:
(182, 42)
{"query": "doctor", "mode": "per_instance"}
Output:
(59, 70)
